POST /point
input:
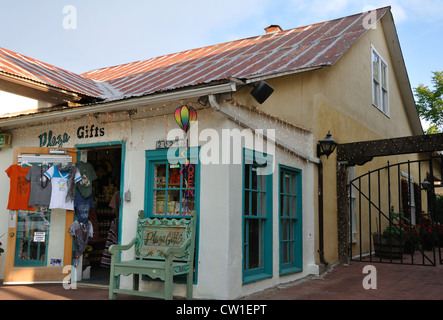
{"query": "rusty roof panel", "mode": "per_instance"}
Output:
(316, 45)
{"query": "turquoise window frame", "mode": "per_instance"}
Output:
(159, 156)
(254, 160)
(290, 224)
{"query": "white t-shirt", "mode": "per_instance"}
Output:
(59, 183)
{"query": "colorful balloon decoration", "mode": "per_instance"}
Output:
(185, 117)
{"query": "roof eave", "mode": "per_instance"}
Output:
(40, 91)
(112, 106)
(399, 67)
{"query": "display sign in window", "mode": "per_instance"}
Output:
(174, 189)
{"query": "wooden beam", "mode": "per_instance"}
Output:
(358, 153)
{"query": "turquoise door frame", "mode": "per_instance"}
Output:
(81, 147)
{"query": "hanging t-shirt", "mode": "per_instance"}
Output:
(82, 232)
(40, 187)
(82, 207)
(88, 175)
(20, 188)
(60, 188)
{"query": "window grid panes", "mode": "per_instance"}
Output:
(257, 228)
(380, 96)
(174, 189)
(290, 221)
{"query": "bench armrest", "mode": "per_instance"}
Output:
(180, 249)
(115, 247)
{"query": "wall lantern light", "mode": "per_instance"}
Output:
(426, 185)
(262, 91)
(326, 146)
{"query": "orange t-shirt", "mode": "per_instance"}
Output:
(20, 188)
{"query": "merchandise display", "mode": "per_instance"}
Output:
(91, 189)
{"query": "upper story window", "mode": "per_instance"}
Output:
(380, 84)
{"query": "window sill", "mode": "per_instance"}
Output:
(384, 113)
(256, 277)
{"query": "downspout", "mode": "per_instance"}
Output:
(320, 215)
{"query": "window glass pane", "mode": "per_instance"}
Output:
(294, 185)
(384, 75)
(160, 175)
(254, 209)
(188, 176)
(247, 201)
(293, 209)
(376, 93)
(375, 66)
(174, 176)
(262, 208)
(188, 202)
(247, 176)
(254, 185)
(287, 184)
(159, 202)
(173, 202)
(255, 244)
(385, 101)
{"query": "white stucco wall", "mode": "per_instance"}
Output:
(220, 233)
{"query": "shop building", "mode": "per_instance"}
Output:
(248, 167)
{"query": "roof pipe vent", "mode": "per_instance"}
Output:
(273, 28)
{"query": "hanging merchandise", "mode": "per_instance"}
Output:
(111, 239)
(40, 186)
(88, 175)
(63, 179)
(20, 188)
(82, 232)
(82, 207)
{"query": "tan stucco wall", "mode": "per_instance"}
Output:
(339, 99)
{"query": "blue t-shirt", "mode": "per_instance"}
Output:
(82, 207)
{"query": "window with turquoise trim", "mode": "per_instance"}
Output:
(290, 216)
(257, 218)
(171, 184)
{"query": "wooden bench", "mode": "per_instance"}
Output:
(164, 248)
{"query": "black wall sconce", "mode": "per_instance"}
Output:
(262, 91)
(326, 146)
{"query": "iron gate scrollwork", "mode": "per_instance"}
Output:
(394, 216)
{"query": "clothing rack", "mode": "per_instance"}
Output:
(43, 158)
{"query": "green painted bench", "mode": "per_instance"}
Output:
(164, 248)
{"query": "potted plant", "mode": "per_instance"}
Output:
(1, 249)
(399, 237)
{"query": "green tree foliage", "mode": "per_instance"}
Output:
(430, 103)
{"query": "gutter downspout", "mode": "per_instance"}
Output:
(320, 215)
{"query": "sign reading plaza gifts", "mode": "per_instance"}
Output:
(159, 235)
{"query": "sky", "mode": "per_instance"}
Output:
(83, 35)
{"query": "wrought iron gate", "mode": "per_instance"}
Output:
(394, 216)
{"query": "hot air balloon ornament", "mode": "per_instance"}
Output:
(185, 117)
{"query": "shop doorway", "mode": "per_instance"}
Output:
(105, 216)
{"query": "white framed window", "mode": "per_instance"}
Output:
(380, 82)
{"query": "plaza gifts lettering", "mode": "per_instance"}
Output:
(163, 238)
(90, 132)
(49, 139)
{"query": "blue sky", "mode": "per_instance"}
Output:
(114, 32)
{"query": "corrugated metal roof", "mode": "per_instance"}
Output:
(19, 65)
(274, 53)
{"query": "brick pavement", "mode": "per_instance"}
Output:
(343, 282)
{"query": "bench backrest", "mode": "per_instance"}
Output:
(156, 235)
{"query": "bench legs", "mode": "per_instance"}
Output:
(189, 285)
(112, 285)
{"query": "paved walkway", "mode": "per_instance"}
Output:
(343, 282)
